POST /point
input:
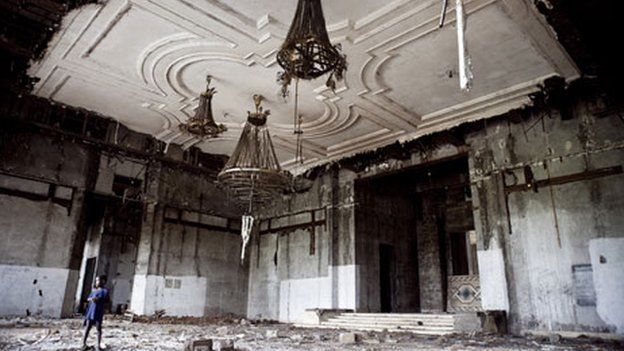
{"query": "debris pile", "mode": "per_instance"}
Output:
(239, 334)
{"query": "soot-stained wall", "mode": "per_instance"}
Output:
(188, 256)
(534, 241)
(52, 171)
(311, 267)
(41, 201)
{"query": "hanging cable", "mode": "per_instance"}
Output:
(443, 13)
(296, 112)
(297, 120)
(299, 141)
(465, 64)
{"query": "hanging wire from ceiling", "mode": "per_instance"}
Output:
(297, 121)
(465, 63)
(443, 13)
(466, 75)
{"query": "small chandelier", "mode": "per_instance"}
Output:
(307, 52)
(203, 124)
(253, 173)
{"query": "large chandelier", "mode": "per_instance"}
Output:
(253, 174)
(307, 54)
(203, 124)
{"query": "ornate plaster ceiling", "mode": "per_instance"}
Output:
(144, 63)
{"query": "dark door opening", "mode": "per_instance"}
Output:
(405, 222)
(386, 276)
(459, 254)
(87, 283)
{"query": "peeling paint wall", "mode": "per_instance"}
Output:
(293, 270)
(533, 246)
(49, 184)
(539, 237)
(183, 239)
(39, 224)
(285, 279)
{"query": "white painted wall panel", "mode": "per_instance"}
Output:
(493, 281)
(347, 278)
(297, 295)
(186, 297)
(607, 258)
(20, 288)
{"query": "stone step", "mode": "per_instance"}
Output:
(392, 322)
(391, 326)
(422, 331)
(400, 315)
(411, 317)
(416, 323)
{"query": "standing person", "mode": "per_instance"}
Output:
(95, 311)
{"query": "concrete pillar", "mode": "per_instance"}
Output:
(143, 294)
(78, 240)
(491, 225)
(141, 301)
(343, 270)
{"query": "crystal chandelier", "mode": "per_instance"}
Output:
(203, 124)
(307, 54)
(253, 173)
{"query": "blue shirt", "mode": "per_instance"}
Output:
(95, 310)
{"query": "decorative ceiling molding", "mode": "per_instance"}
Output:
(143, 62)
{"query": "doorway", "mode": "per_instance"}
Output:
(386, 277)
(89, 276)
(385, 243)
(415, 240)
(111, 246)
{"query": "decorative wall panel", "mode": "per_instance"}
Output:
(464, 293)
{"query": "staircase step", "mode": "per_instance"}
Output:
(400, 315)
(391, 321)
(416, 323)
(391, 326)
(393, 330)
(397, 318)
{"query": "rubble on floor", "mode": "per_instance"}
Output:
(168, 333)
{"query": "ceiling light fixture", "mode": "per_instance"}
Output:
(253, 174)
(203, 124)
(307, 53)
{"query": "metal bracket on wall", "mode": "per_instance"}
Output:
(310, 224)
(49, 196)
(178, 219)
(534, 185)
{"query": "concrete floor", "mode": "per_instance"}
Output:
(42, 334)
